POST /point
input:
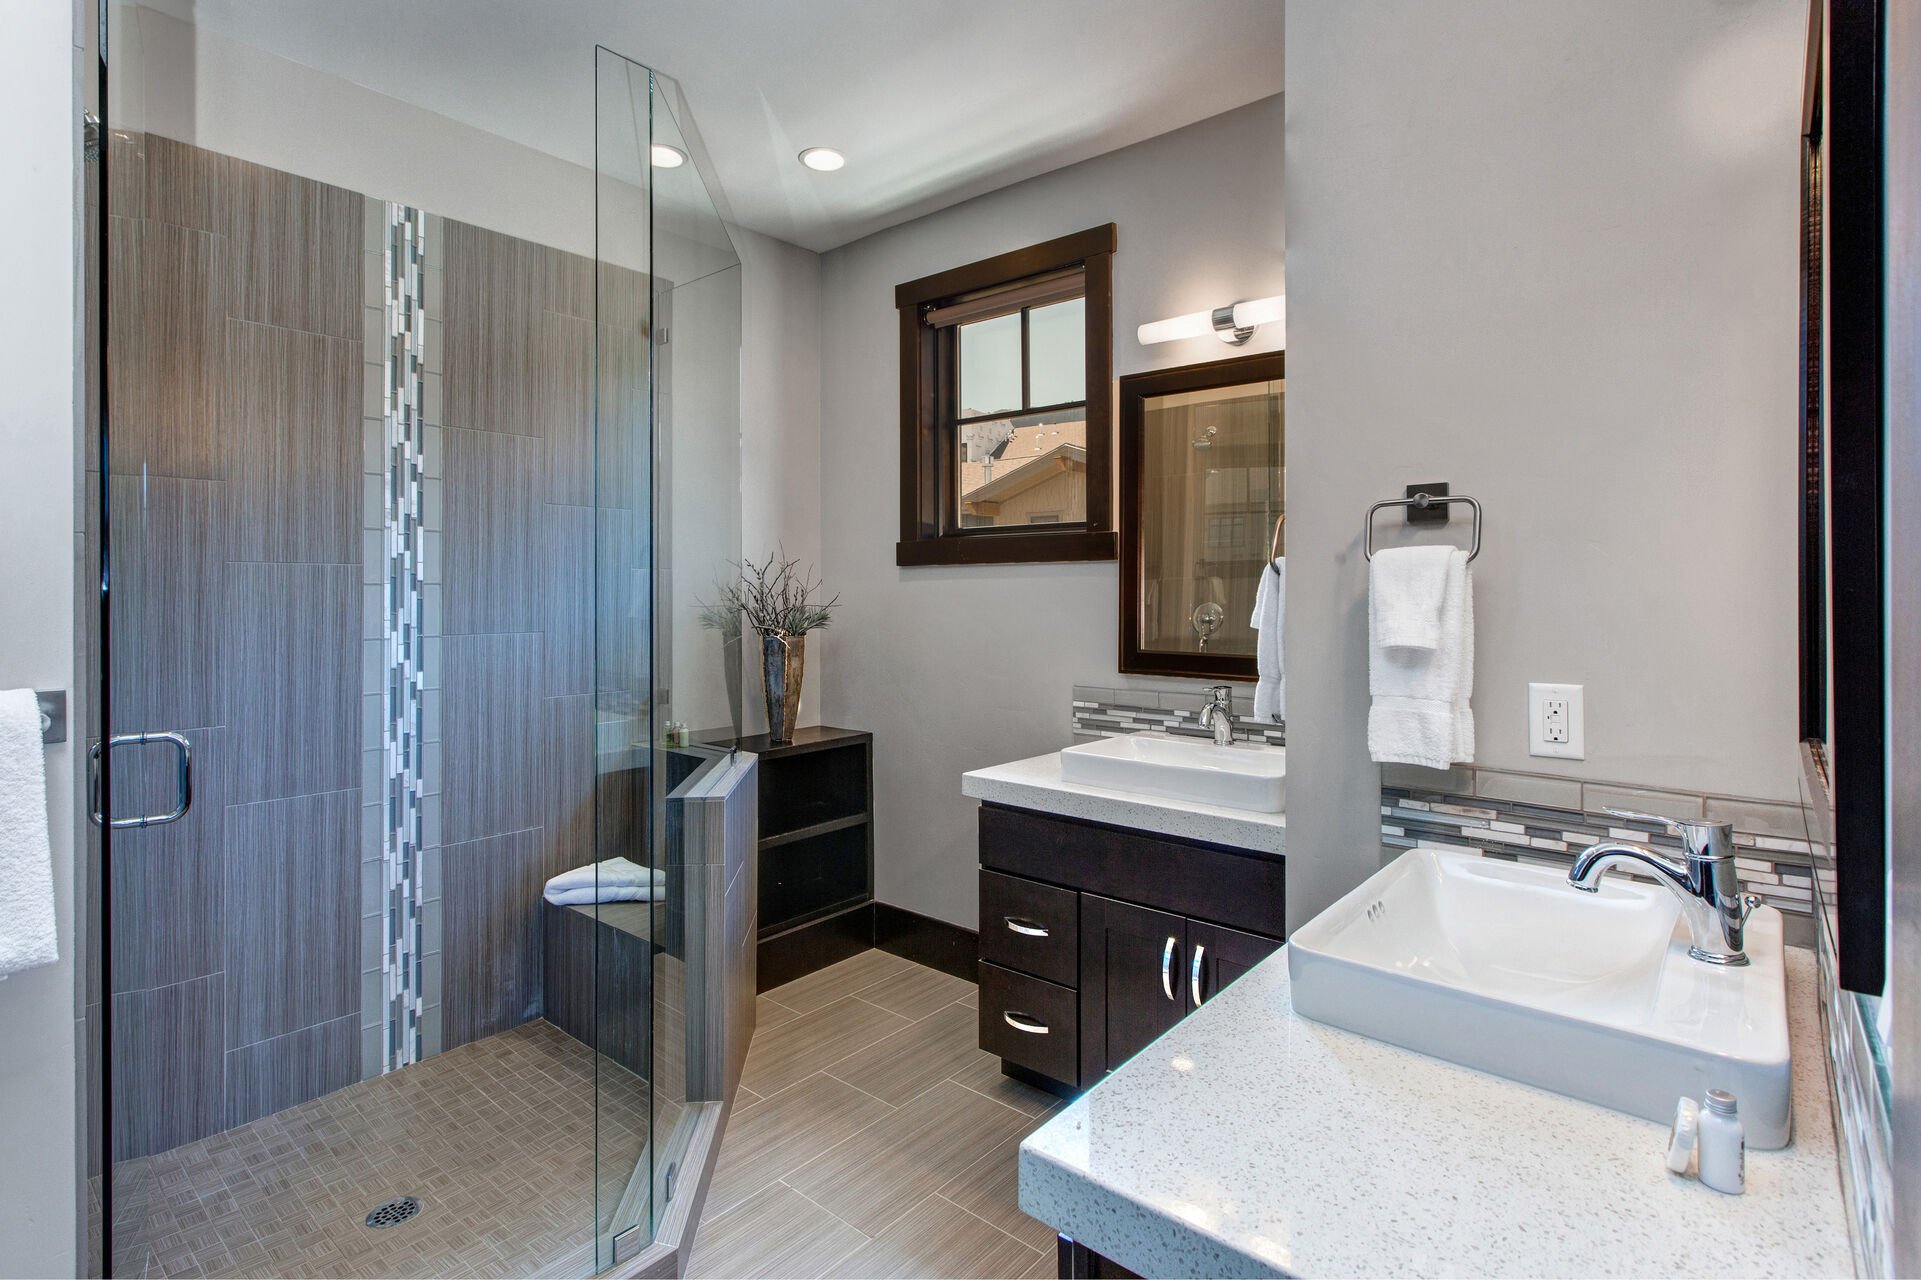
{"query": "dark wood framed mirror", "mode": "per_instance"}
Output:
(1842, 459)
(1202, 507)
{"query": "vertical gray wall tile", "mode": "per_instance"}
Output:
(291, 422)
(169, 882)
(294, 249)
(492, 727)
(566, 281)
(564, 406)
(168, 572)
(293, 914)
(168, 1066)
(272, 1075)
(293, 702)
(185, 185)
(492, 299)
(491, 900)
(567, 575)
(621, 418)
(567, 782)
(169, 421)
(494, 533)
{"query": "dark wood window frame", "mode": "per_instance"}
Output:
(931, 531)
(1135, 390)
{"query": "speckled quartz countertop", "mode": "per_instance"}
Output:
(1036, 783)
(1250, 1141)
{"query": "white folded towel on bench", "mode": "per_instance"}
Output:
(615, 880)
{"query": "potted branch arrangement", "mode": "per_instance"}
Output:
(782, 604)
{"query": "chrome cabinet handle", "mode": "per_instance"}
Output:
(1024, 1022)
(183, 779)
(1194, 974)
(1026, 928)
(1167, 967)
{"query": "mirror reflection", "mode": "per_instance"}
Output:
(1206, 494)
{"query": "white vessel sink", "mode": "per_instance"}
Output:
(1241, 776)
(1509, 969)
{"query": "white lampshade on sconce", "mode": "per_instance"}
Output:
(1233, 325)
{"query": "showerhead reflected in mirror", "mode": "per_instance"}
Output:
(1202, 505)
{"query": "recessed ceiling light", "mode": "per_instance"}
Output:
(825, 159)
(666, 157)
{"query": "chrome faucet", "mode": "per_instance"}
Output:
(1710, 893)
(1217, 713)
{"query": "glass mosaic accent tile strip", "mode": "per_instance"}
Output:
(1772, 866)
(402, 632)
(1108, 713)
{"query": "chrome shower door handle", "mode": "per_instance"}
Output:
(183, 779)
(1167, 968)
(1194, 974)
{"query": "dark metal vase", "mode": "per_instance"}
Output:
(782, 658)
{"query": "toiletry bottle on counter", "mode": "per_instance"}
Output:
(1683, 1135)
(1723, 1147)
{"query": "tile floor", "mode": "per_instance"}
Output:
(871, 1137)
(496, 1137)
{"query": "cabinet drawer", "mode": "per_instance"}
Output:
(1030, 1023)
(1235, 887)
(1031, 927)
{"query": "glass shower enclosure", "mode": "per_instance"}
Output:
(416, 455)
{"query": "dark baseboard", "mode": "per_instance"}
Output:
(925, 940)
(801, 950)
(797, 952)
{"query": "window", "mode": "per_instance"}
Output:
(1007, 407)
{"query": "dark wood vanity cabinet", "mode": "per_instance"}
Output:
(1096, 939)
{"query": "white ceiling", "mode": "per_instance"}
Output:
(933, 101)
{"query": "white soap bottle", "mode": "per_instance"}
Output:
(1723, 1147)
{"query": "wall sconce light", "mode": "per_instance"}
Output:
(1233, 325)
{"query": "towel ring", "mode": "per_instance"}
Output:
(1421, 501)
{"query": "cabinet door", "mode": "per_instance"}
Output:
(1132, 965)
(1217, 955)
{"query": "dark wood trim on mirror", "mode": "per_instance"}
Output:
(1812, 534)
(1850, 58)
(1135, 389)
(930, 532)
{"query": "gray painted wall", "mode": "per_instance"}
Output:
(1547, 253)
(956, 668)
(39, 551)
(780, 487)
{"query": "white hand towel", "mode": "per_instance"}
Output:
(1420, 714)
(27, 937)
(1270, 604)
(615, 880)
(1404, 590)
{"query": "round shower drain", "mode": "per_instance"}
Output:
(394, 1212)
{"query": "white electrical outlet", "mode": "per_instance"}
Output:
(1555, 721)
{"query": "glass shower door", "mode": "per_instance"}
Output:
(625, 718)
(667, 668)
(405, 497)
